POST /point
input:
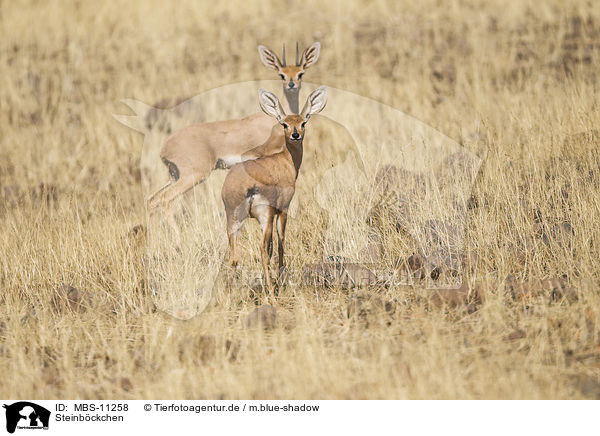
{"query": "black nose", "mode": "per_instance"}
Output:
(291, 84)
(295, 135)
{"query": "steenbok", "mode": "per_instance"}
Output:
(263, 188)
(193, 152)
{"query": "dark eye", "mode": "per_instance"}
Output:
(303, 124)
(300, 76)
(285, 126)
(282, 76)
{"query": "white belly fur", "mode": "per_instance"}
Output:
(231, 160)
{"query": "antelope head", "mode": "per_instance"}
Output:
(291, 75)
(294, 124)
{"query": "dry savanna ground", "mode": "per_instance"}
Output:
(515, 82)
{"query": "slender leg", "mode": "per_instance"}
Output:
(166, 197)
(233, 262)
(181, 186)
(232, 231)
(183, 178)
(281, 222)
(151, 201)
(267, 247)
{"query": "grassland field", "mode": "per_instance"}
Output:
(515, 82)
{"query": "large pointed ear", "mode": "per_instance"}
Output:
(137, 121)
(270, 105)
(315, 102)
(269, 58)
(310, 55)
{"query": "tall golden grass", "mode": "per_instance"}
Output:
(515, 83)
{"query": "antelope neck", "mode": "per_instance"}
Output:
(295, 149)
(292, 98)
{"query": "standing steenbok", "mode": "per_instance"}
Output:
(193, 152)
(263, 188)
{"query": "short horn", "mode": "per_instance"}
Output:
(284, 62)
(297, 55)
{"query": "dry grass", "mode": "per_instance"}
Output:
(515, 83)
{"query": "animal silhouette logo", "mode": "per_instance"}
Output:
(361, 157)
(26, 415)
